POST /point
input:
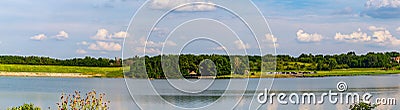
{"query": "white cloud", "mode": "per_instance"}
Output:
(119, 35)
(81, 51)
(384, 37)
(358, 36)
(150, 43)
(306, 37)
(382, 8)
(62, 35)
(240, 45)
(108, 46)
(374, 28)
(383, 4)
(380, 36)
(398, 29)
(39, 37)
(148, 50)
(101, 34)
(169, 4)
(83, 43)
(271, 39)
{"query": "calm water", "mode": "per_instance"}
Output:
(45, 92)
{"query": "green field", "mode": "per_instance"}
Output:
(337, 72)
(353, 72)
(111, 72)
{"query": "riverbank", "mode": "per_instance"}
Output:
(332, 73)
(41, 74)
(60, 71)
(117, 72)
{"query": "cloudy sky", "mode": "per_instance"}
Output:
(71, 28)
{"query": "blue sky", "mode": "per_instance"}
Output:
(71, 28)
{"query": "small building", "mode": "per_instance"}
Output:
(397, 59)
(192, 73)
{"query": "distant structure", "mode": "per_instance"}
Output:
(397, 59)
(117, 61)
(193, 73)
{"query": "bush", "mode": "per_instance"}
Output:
(24, 107)
(76, 102)
(363, 106)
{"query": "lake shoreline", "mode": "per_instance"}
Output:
(81, 75)
(44, 74)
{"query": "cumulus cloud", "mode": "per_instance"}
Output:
(380, 36)
(272, 39)
(62, 35)
(383, 37)
(357, 36)
(39, 37)
(382, 8)
(108, 46)
(240, 45)
(101, 34)
(398, 29)
(81, 51)
(169, 4)
(119, 35)
(306, 37)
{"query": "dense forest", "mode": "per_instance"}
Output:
(35, 60)
(223, 63)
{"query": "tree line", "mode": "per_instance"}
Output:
(244, 64)
(36, 60)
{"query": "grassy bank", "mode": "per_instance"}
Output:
(353, 72)
(338, 72)
(111, 72)
(117, 72)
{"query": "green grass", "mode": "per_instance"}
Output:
(338, 72)
(114, 72)
(353, 72)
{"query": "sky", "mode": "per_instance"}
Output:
(72, 28)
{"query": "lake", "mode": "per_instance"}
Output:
(45, 92)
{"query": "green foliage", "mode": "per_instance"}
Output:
(92, 101)
(36, 60)
(24, 107)
(237, 64)
(363, 106)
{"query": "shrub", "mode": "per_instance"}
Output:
(90, 102)
(25, 107)
(363, 106)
